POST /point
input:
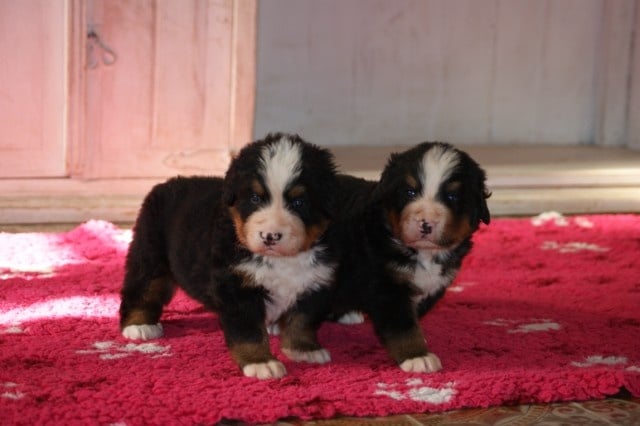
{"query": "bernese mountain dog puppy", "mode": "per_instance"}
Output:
(249, 247)
(401, 241)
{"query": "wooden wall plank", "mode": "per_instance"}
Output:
(519, 51)
(613, 73)
(468, 56)
(119, 96)
(77, 89)
(565, 105)
(243, 72)
(469, 71)
(633, 117)
(179, 63)
(218, 79)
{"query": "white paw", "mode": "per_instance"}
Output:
(353, 317)
(422, 364)
(320, 356)
(273, 329)
(143, 331)
(266, 370)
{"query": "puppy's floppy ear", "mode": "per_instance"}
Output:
(478, 193)
(228, 196)
(228, 190)
(386, 186)
(482, 193)
(483, 210)
(328, 178)
(321, 175)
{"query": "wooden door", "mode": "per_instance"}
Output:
(169, 103)
(165, 87)
(32, 88)
(100, 100)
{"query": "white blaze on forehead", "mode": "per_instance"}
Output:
(437, 165)
(280, 164)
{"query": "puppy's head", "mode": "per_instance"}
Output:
(434, 196)
(280, 194)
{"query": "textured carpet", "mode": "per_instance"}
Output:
(544, 309)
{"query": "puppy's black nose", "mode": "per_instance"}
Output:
(426, 228)
(270, 238)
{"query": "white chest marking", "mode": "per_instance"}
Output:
(287, 278)
(428, 277)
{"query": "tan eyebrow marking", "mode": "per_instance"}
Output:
(296, 191)
(453, 186)
(411, 181)
(257, 187)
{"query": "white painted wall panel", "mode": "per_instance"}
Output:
(469, 71)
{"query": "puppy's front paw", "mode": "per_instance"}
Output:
(142, 331)
(422, 364)
(351, 317)
(320, 356)
(267, 370)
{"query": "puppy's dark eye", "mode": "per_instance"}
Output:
(255, 199)
(297, 203)
(452, 197)
(411, 193)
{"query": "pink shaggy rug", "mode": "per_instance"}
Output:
(545, 309)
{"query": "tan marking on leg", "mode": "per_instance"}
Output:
(140, 317)
(251, 353)
(297, 334)
(410, 344)
(300, 342)
(160, 291)
(149, 309)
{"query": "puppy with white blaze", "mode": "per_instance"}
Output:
(250, 247)
(401, 242)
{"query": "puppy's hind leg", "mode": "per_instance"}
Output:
(147, 288)
(141, 308)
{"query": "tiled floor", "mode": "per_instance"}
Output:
(621, 411)
(614, 411)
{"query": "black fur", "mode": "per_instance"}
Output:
(185, 235)
(371, 255)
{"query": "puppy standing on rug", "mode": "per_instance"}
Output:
(401, 242)
(249, 247)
